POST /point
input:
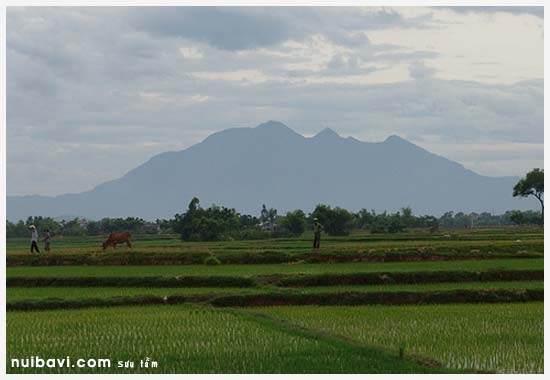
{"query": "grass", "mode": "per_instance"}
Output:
(503, 338)
(345, 298)
(440, 246)
(268, 269)
(185, 339)
(420, 287)
(71, 293)
(503, 240)
(277, 297)
(262, 257)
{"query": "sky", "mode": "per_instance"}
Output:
(94, 92)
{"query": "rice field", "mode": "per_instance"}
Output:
(185, 339)
(198, 333)
(503, 338)
(494, 240)
(269, 269)
(72, 293)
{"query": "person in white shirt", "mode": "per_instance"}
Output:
(34, 239)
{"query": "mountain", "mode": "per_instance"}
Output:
(247, 167)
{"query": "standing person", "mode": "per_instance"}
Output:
(34, 239)
(317, 228)
(46, 240)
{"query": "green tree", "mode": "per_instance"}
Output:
(294, 222)
(16, 230)
(532, 184)
(336, 221)
(185, 223)
(211, 224)
(396, 223)
(267, 216)
(531, 217)
(446, 220)
(93, 228)
(407, 218)
(73, 228)
(517, 217)
(365, 219)
(43, 223)
(248, 221)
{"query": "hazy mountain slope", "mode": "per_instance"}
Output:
(245, 167)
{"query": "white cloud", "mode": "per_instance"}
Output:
(237, 76)
(514, 45)
(157, 98)
(191, 52)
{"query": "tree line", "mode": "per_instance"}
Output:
(78, 226)
(218, 223)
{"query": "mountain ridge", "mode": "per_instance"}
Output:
(272, 164)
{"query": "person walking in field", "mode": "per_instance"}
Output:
(34, 239)
(317, 228)
(46, 240)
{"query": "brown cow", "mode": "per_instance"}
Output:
(116, 238)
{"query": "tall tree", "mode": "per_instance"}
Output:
(336, 221)
(263, 214)
(517, 217)
(212, 224)
(267, 216)
(532, 184)
(294, 222)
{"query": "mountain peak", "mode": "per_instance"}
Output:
(396, 139)
(277, 130)
(272, 124)
(327, 133)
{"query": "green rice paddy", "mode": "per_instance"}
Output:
(197, 337)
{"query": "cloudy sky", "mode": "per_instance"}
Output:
(94, 92)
